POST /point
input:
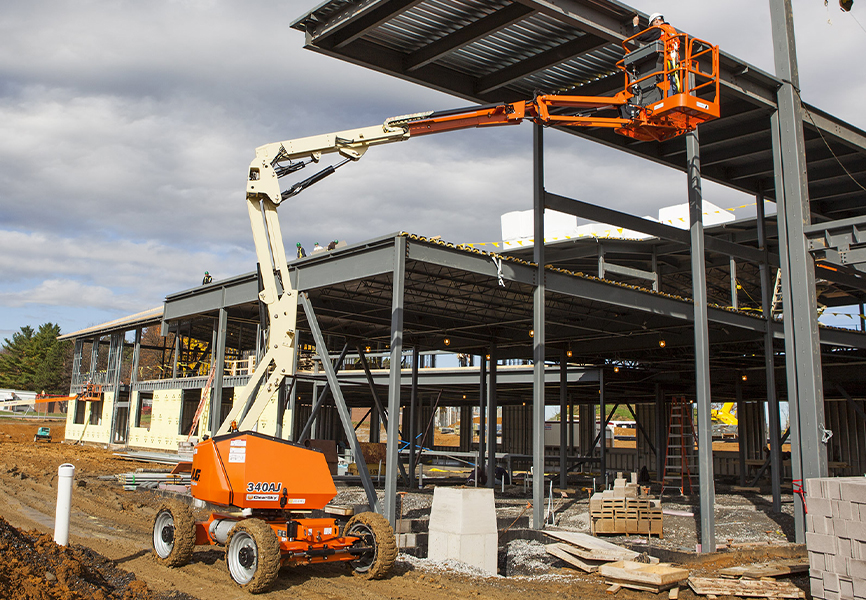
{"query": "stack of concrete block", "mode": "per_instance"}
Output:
(625, 510)
(836, 537)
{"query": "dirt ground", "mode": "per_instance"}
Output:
(110, 557)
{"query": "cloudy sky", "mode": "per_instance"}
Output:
(126, 129)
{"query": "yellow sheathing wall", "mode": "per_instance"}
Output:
(99, 433)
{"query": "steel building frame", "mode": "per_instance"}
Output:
(496, 50)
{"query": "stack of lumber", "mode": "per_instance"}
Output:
(586, 552)
(624, 510)
(836, 537)
(641, 576)
(771, 569)
(749, 588)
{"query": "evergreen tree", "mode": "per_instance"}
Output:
(35, 360)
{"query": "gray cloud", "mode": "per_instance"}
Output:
(126, 129)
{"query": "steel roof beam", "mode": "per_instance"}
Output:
(585, 18)
(356, 21)
(466, 35)
(627, 221)
(390, 62)
(839, 131)
(539, 62)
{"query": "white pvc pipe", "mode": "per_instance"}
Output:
(65, 474)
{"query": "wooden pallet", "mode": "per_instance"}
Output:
(748, 588)
(773, 569)
(641, 576)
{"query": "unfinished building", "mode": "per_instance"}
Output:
(679, 319)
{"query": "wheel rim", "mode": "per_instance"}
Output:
(243, 557)
(364, 561)
(163, 534)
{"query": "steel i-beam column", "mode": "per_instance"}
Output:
(741, 429)
(482, 422)
(219, 366)
(492, 407)
(661, 433)
(602, 432)
(769, 365)
(702, 346)
(136, 355)
(413, 427)
(393, 442)
(563, 422)
(802, 356)
(538, 327)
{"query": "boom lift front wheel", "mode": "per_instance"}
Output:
(253, 555)
(173, 534)
(375, 532)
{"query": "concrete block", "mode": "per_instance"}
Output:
(832, 489)
(841, 509)
(828, 595)
(819, 507)
(843, 548)
(463, 527)
(840, 565)
(407, 540)
(840, 528)
(859, 587)
(858, 549)
(846, 588)
(830, 526)
(830, 564)
(814, 489)
(853, 489)
(403, 526)
(817, 587)
(816, 542)
(810, 524)
(816, 561)
(857, 530)
(831, 582)
(857, 568)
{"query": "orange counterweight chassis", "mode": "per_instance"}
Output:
(274, 477)
(316, 541)
(696, 65)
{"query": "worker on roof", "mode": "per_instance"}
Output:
(301, 252)
(206, 279)
(333, 244)
(317, 248)
(659, 29)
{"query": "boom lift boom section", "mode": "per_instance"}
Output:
(671, 86)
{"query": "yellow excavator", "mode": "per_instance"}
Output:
(725, 415)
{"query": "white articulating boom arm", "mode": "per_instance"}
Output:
(675, 109)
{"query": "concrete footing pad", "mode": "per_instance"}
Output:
(463, 527)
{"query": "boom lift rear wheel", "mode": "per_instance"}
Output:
(375, 532)
(253, 555)
(173, 534)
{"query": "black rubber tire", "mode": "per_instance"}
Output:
(257, 536)
(375, 531)
(177, 517)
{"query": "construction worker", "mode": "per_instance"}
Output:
(659, 29)
(333, 245)
(207, 278)
(301, 252)
(317, 248)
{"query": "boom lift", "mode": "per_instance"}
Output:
(273, 481)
